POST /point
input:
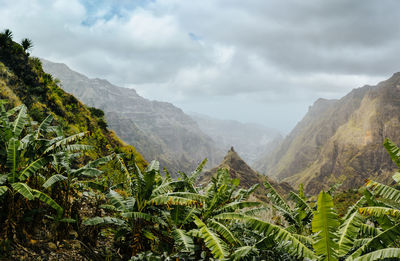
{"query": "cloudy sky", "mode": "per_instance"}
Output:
(253, 61)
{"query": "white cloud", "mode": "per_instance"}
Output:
(220, 53)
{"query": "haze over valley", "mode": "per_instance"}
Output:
(199, 130)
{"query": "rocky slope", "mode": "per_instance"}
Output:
(238, 169)
(23, 81)
(158, 130)
(340, 141)
(249, 139)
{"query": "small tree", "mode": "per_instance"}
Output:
(8, 34)
(26, 44)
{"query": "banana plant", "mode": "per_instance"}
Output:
(70, 179)
(139, 214)
(299, 215)
(20, 159)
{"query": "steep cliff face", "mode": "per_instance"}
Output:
(340, 141)
(238, 169)
(158, 130)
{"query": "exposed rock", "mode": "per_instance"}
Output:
(340, 141)
(238, 169)
(159, 130)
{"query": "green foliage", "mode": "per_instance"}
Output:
(53, 165)
(325, 225)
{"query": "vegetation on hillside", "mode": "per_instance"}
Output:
(61, 191)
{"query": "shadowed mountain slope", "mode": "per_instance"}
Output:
(159, 130)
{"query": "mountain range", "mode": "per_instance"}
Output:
(159, 130)
(162, 131)
(340, 141)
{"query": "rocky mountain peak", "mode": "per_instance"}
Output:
(340, 141)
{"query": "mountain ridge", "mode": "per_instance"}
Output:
(158, 129)
(340, 141)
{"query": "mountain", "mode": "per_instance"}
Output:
(250, 139)
(23, 81)
(340, 141)
(238, 169)
(159, 130)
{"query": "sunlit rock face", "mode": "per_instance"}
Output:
(340, 141)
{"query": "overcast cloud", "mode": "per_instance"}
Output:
(253, 61)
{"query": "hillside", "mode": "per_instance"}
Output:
(340, 141)
(22, 80)
(249, 139)
(238, 169)
(159, 130)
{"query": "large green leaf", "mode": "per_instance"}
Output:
(32, 168)
(369, 231)
(196, 173)
(393, 151)
(224, 232)
(116, 200)
(217, 247)
(3, 178)
(381, 190)
(396, 177)
(87, 172)
(100, 161)
(53, 180)
(300, 202)
(380, 211)
(171, 200)
(238, 205)
(153, 166)
(278, 202)
(43, 126)
(349, 230)
(23, 189)
(65, 141)
(380, 241)
(3, 189)
(12, 157)
(48, 200)
(20, 121)
(245, 253)
(183, 241)
(168, 187)
(325, 224)
(382, 254)
(292, 244)
(355, 207)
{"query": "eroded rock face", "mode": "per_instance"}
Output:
(238, 169)
(341, 141)
(159, 130)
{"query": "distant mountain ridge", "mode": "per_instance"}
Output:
(250, 139)
(159, 130)
(340, 141)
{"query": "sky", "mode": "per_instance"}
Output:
(253, 61)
